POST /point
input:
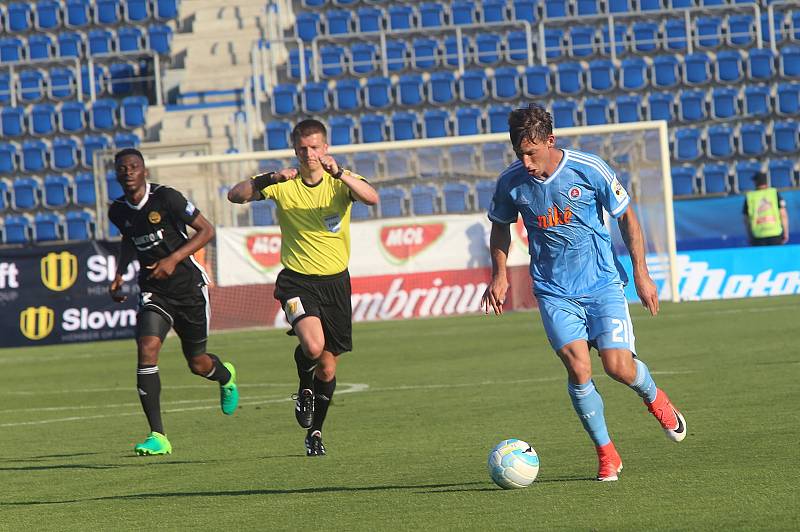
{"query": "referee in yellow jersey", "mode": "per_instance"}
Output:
(313, 209)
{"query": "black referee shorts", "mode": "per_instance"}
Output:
(324, 296)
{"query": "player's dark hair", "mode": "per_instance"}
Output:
(127, 151)
(308, 127)
(532, 123)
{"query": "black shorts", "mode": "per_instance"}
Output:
(189, 317)
(324, 296)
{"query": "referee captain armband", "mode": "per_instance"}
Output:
(262, 181)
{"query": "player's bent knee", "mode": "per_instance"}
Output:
(325, 373)
(313, 350)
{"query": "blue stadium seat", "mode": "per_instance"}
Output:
(307, 25)
(629, 108)
(525, 10)
(724, 102)
(553, 42)
(650, 5)
(431, 15)
(84, 193)
(405, 125)
(126, 139)
(133, 112)
(790, 62)
(396, 52)
(757, 100)
(294, 63)
(332, 59)
(601, 75)
(487, 49)
(34, 155)
(709, 32)
(760, 64)
(581, 41)
(441, 87)
(729, 66)
(741, 30)
(31, 86)
(72, 117)
(8, 158)
(113, 188)
(536, 81)
(715, 179)
(494, 157)
(391, 201)
(432, 162)
(92, 143)
(473, 85)
(556, 8)
(692, 106)
(47, 15)
(634, 74)
(277, 135)
(687, 144)
(516, 45)
(423, 53)
(696, 69)
(366, 164)
(468, 121)
(129, 39)
(5, 196)
(69, 44)
(620, 44)
(745, 171)
(619, 6)
(506, 83)
(424, 200)
(596, 111)
(720, 141)
(784, 137)
(262, 213)
(11, 49)
(12, 121)
(19, 17)
(435, 123)
(484, 192)
(451, 52)
(463, 12)
(410, 89)
(788, 99)
(753, 139)
(781, 173)
(79, 225)
(569, 78)
(373, 128)
(455, 198)
(159, 40)
(17, 229)
(342, 130)
(397, 164)
(565, 113)
(360, 211)
(103, 114)
(166, 9)
(40, 46)
(62, 83)
(497, 118)
(107, 12)
(47, 227)
(683, 180)
(284, 99)
(378, 92)
(675, 38)
(369, 19)
(347, 94)
(122, 78)
(363, 58)
(314, 97)
(493, 11)
(400, 17)
(26, 193)
(463, 159)
(42, 119)
(99, 41)
(77, 13)
(64, 154)
(666, 71)
(136, 10)
(645, 37)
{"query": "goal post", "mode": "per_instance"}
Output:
(638, 152)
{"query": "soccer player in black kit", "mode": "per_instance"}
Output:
(152, 219)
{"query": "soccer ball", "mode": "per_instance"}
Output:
(513, 464)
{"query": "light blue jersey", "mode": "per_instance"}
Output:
(570, 247)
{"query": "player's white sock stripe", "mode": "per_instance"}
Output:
(147, 371)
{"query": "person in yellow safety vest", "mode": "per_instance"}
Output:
(765, 215)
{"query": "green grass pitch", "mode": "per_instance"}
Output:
(418, 407)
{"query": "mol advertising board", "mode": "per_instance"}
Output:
(59, 294)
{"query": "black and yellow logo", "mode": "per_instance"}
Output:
(153, 217)
(36, 322)
(59, 270)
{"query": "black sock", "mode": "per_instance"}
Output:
(305, 369)
(148, 383)
(218, 373)
(323, 393)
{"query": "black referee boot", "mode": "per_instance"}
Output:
(304, 408)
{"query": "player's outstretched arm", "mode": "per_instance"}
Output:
(126, 254)
(495, 295)
(165, 267)
(634, 241)
(250, 189)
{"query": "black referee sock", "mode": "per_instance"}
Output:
(323, 394)
(218, 373)
(148, 383)
(305, 369)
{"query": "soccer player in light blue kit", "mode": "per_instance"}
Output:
(578, 281)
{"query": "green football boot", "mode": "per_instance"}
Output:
(229, 393)
(156, 443)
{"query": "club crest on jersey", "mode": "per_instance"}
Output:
(575, 193)
(554, 217)
(618, 189)
(153, 217)
(189, 210)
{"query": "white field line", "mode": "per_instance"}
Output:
(262, 400)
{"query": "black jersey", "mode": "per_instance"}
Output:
(157, 227)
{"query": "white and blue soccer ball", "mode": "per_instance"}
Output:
(513, 464)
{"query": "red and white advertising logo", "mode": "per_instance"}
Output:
(265, 248)
(403, 242)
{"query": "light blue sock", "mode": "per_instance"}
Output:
(643, 384)
(589, 406)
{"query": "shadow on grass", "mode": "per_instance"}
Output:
(447, 489)
(245, 493)
(142, 463)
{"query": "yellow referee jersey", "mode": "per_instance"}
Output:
(315, 224)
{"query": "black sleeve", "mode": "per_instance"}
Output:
(744, 207)
(179, 207)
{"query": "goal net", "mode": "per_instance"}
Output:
(423, 251)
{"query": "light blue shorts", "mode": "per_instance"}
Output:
(602, 318)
